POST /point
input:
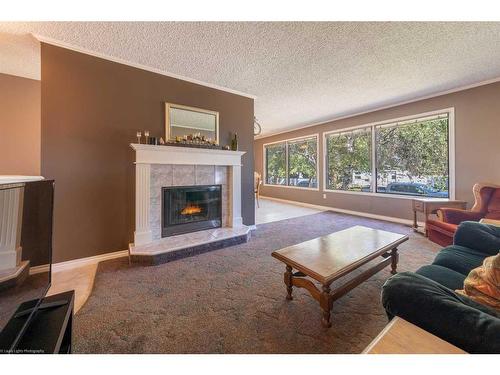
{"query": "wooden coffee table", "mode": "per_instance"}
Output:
(328, 258)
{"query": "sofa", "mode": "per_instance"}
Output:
(427, 297)
(486, 206)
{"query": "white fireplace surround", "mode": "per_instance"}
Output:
(147, 155)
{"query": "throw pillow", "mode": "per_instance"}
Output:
(483, 283)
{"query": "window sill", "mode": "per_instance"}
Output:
(384, 195)
(292, 187)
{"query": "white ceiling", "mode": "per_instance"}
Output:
(301, 73)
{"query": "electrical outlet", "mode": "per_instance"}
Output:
(324, 196)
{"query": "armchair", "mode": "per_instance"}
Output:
(486, 205)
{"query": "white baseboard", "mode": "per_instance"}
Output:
(63, 266)
(253, 227)
(349, 212)
(39, 269)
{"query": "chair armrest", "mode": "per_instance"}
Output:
(482, 237)
(456, 216)
(442, 312)
(441, 226)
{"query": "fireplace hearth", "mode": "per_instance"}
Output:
(188, 209)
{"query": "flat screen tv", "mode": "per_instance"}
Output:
(26, 220)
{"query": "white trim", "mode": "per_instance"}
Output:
(295, 138)
(291, 187)
(39, 269)
(348, 212)
(385, 195)
(373, 181)
(252, 227)
(62, 266)
(75, 263)
(451, 152)
(152, 154)
(377, 109)
(382, 195)
(393, 120)
(118, 60)
(264, 162)
(18, 179)
(19, 269)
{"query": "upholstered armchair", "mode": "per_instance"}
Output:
(486, 206)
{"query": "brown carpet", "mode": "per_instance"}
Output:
(233, 300)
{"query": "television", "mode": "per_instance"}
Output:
(26, 220)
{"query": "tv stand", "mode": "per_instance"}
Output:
(50, 330)
(42, 306)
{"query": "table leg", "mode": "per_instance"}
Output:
(288, 282)
(415, 225)
(326, 305)
(394, 261)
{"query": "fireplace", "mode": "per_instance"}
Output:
(190, 208)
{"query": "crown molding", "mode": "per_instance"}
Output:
(58, 43)
(418, 99)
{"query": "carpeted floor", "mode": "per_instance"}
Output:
(233, 300)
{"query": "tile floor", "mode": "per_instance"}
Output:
(272, 210)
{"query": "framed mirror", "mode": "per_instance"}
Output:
(182, 121)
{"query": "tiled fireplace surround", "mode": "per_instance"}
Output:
(164, 175)
(164, 166)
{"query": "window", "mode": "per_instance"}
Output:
(409, 157)
(412, 157)
(276, 164)
(292, 163)
(302, 155)
(348, 160)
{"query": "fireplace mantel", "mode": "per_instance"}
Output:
(150, 154)
(147, 155)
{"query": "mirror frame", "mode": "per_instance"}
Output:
(169, 106)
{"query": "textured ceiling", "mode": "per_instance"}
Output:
(301, 73)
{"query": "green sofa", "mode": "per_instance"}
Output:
(427, 297)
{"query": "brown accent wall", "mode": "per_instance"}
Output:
(91, 110)
(477, 150)
(19, 125)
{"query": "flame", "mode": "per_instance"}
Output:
(191, 210)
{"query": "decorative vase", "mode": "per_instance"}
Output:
(234, 142)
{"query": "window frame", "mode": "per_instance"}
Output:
(451, 154)
(285, 141)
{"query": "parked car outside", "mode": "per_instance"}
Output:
(303, 182)
(368, 189)
(413, 188)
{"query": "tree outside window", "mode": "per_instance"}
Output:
(292, 163)
(302, 162)
(276, 164)
(349, 160)
(412, 158)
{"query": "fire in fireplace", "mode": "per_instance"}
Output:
(190, 208)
